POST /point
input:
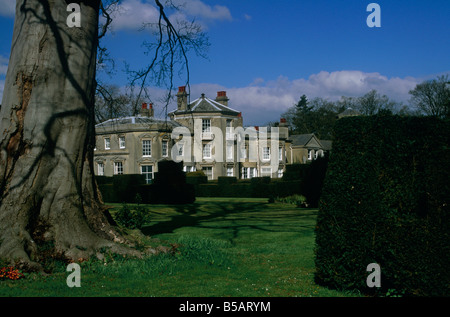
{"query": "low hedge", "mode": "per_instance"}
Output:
(386, 200)
(249, 189)
(169, 187)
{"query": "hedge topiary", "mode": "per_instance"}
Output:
(126, 186)
(385, 200)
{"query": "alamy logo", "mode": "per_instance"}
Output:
(74, 278)
(374, 19)
(374, 278)
(74, 18)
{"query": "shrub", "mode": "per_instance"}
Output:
(385, 200)
(295, 172)
(196, 178)
(298, 200)
(108, 194)
(132, 219)
(312, 181)
(225, 180)
(126, 186)
(104, 180)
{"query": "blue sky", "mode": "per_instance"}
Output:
(266, 54)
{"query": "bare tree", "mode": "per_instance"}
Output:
(433, 97)
(48, 192)
(174, 40)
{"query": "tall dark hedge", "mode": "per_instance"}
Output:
(386, 200)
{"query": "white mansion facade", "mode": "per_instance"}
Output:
(205, 135)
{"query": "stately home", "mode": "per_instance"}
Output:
(204, 134)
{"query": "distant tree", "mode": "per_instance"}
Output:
(316, 116)
(111, 103)
(372, 103)
(432, 97)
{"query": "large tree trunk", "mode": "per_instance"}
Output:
(48, 192)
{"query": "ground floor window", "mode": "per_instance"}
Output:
(266, 171)
(280, 173)
(118, 168)
(249, 172)
(100, 169)
(230, 172)
(189, 169)
(208, 172)
(147, 171)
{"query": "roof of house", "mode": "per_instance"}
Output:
(137, 122)
(349, 112)
(310, 141)
(205, 104)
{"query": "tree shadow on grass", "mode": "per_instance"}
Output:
(236, 216)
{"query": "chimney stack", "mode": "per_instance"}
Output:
(182, 98)
(283, 122)
(222, 98)
(151, 112)
(144, 110)
(147, 110)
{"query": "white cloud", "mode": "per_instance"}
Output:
(203, 11)
(262, 101)
(133, 14)
(8, 8)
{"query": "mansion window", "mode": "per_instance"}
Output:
(280, 153)
(118, 168)
(147, 171)
(165, 148)
(266, 171)
(206, 128)
(230, 134)
(230, 171)
(122, 142)
(146, 148)
(189, 169)
(207, 150)
(280, 173)
(180, 149)
(310, 154)
(100, 169)
(229, 151)
(266, 153)
(107, 143)
(206, 125)
(243, 152)
(208, 171)
(248, 172)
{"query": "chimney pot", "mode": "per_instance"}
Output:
(182, 98)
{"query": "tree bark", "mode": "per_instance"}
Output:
(48, 192)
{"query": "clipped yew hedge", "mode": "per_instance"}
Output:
(385, 200)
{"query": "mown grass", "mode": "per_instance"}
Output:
(225, 247)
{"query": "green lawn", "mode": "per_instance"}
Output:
(227, 247)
